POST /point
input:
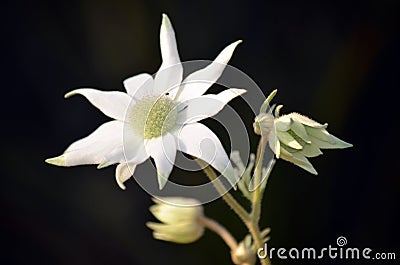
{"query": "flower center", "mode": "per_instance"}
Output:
(154, 116)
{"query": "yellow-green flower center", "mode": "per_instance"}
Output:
(154, 116)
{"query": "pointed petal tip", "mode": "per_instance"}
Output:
(165, 20)
(57, 161)
(340, 144)
(70, 94)
(310, 168)
(226, 54)
(103, 165)
(121, 184)
(345, 145)
(239, 91)
(230, 175)
(162, 181)
(278, 110)
(307, 167)
(124, 172)
(236, 43)
(149, 224)
(234, 187)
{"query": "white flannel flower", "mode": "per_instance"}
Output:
(180, 224)
(295, 137)
(156, 117)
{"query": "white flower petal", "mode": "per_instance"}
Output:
(197, 83)
(92, 149)
(169, 50)
(163, 151)
(57, 161)
(169, 75)
(114, 157)
(112, 103)
(133, 145)
(167, 79)
(131, 149)
(123, 172)
(199, 141)
(121, 154)
(195, 109)
(139, 85)
(139, 155)
(128, 162)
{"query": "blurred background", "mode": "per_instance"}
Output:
(336, 61)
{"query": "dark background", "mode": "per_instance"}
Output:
(334, 60)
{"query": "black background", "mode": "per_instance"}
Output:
(336, 61)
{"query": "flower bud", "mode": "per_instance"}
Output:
(179, 219)
(295, 137)
(244, 253)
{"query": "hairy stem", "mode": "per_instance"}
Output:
(257, 193)
(226, 196)
(220, 230)
(257, 200)
(250, 220)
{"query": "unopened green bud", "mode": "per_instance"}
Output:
(295, 137)
(244, 253)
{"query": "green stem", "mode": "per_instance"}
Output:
(248, 220)
(257, 193)
(257, 199)
(220, 230)
(256, 234)
(226, 196)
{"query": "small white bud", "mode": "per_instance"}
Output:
(179, 219)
